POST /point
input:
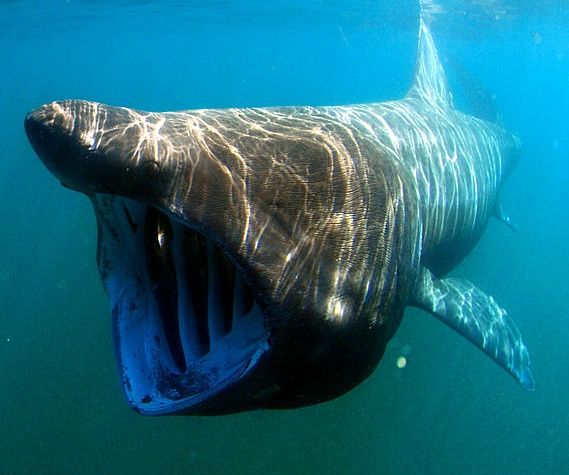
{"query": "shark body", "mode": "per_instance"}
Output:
(263, 258)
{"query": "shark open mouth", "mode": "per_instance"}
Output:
(186, 324)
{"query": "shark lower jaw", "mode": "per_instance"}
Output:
(187, 328)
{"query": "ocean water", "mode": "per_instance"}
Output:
(450, 410)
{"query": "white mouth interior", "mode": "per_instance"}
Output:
(186, 323)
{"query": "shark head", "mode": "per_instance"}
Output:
(244, 262)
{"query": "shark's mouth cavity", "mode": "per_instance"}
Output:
(187, 326)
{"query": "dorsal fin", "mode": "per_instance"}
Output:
(430, 82)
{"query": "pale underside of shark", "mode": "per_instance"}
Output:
(263, 258)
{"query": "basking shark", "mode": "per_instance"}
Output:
(263, 257)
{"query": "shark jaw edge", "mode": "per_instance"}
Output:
(186, 325)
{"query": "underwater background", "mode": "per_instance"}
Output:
(450, 409)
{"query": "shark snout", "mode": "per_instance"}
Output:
(45, 132)
(60, 137)
(61, 124)
(78, 141)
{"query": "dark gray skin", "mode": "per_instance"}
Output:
(331, 220)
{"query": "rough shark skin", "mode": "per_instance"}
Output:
(263, 258)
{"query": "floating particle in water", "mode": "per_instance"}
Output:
(537, 38)
(401, 362)
(344, 37)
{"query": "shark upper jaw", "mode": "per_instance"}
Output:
(187, 327)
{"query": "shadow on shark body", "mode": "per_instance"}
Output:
(263, 258)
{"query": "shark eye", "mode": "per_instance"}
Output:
(151, 167)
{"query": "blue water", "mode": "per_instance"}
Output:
(450, 410)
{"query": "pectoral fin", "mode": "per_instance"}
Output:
(477, 317)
